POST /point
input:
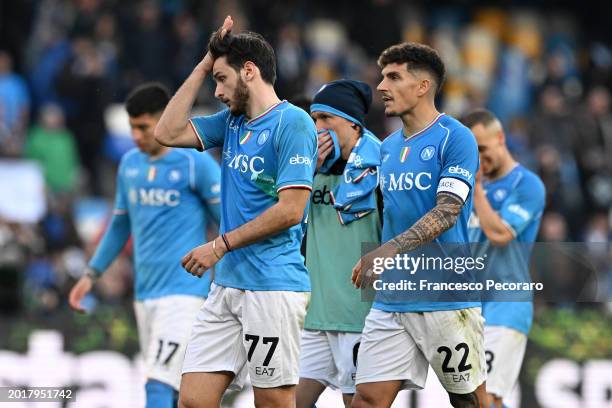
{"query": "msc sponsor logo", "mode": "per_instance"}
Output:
(245, 164)
(407, 181)
(297, 159)
(461, 171)
(155, 197)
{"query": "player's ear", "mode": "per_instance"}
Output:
(501, 137)
(248, 71)
(424, 86)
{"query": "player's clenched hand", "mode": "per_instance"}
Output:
(199, 259)
(325, 145)
(208, 60)
(78, 292)
(363, 272)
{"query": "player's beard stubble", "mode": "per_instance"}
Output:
(240, 99)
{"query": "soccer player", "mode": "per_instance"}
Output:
(347, 150)
(508, 206)
(427, 174)
(162, 199)
(253, 317)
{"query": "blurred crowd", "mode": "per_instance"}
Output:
(545, 71)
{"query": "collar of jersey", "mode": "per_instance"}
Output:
(425, 129)
(159, 158)
(264, 113)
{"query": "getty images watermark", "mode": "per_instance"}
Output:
(450, 266)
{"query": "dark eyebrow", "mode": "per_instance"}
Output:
(216, 74)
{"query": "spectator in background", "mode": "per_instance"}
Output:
(553, 134)
(17, 242)
(187, 45)
(86, 15)
(107, 39)
(594, 150)
(14, 106)
(51, 144)
(147, 46)
(83, 86)
(291, 56)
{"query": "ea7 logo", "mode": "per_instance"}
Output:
(261, 370)
(409, 180)
(460, 170)
(297, 159)
(157, 197)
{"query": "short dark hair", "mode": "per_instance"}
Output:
(150, 98)
(478, 116)
(416, 56)
(243, 47)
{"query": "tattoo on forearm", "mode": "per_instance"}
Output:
(435, 222)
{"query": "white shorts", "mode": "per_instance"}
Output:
(330, 357)
(259, 331)
(164, 325)
(401, 346)
(504, 350)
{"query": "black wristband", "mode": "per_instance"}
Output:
(226, 242)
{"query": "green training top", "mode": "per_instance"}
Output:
(332, 249)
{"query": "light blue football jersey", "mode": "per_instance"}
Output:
(443, 157)
(262, 156)
(166, 200)
(519, 198)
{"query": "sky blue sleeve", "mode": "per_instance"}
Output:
(459, 160)
(208, 183)
(117, 233)
(296, 144)
(210, 130)
(524, 204)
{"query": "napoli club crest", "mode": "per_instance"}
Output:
(263, 137)
(174, 176)
(500, 194)
(428, 152)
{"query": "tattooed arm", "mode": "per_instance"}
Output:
(433, 224)
(430, 226)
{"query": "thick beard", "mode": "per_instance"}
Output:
(240, 99)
